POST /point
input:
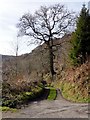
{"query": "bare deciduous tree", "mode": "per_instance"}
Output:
(47, 24)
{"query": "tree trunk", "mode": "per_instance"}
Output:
(51, 61)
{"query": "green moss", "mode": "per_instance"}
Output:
(28, 93)
(4, 108)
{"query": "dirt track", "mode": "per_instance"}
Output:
(59, 108)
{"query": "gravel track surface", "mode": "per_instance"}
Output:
(59, 108)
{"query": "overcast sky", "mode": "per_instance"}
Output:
(12, 10)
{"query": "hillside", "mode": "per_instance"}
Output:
(36, 63)
(75, 83)
(26, 72)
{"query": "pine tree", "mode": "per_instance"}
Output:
(81, 38)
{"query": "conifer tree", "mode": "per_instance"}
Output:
(81, 38)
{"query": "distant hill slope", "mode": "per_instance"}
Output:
(36, 63)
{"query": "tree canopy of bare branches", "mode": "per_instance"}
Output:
(47, 24)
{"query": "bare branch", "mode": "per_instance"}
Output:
(47, 23)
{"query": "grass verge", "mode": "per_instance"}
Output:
(74, 92)
(52, 94)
